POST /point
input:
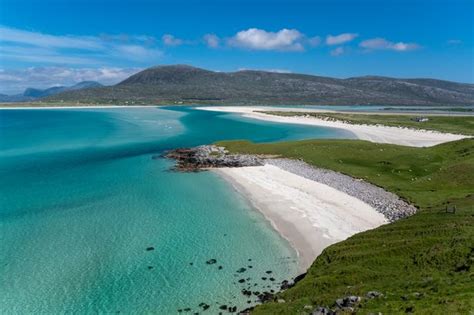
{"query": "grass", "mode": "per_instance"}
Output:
(422, 264)
(452, 124)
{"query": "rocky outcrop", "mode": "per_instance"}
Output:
(210, 156)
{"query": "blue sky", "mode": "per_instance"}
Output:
(45, 43)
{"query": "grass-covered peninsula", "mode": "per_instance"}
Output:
(442, 123)
(421, 264)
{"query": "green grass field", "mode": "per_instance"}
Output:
(452, 124)
(422, 264)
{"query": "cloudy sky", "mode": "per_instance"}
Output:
(51, 42)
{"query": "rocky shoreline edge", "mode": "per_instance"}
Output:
(210, 156)
(207, 157)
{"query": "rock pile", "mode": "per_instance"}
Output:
(210, 156)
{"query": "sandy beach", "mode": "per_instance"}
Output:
(379, 134)
(309, 214)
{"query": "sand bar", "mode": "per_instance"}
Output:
(373, 133)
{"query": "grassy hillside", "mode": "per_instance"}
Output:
(453, 124)
(190, 85)
(422, 264)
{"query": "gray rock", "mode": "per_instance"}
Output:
(348, 301)
(322, 311)
(210, 156)
(373, 294)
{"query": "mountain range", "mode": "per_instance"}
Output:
(31, 94)
(187, 84)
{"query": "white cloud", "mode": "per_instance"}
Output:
(340, 39)
(13, 35)
(36, 47)
(211, 40)
(170, 40)
(383, 44)
(258, 39)
(137, 52)
(16, 81)
(337, 51)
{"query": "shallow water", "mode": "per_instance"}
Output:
(81, 199)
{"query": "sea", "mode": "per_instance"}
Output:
(92, 219)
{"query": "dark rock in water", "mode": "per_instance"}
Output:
(232, 309)
(285, 285)
(268, 271)
(246, 292)
(204, 306)
(265, 297)
(180, 310)
(256, 293)
(150, 248)
(241, 280)
(241, 270)
(250, 259)
(223, 307)
(187, 309)
(150, 267)
(191, 264)
(209, 156)
(250, 267)
(272, 279)
(220, 267)
(264, 278)
(211, 261)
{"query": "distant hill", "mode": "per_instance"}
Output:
(31, 94)
(186, 84)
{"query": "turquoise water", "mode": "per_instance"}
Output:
(81, 200)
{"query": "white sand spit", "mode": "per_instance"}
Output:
(310, 215)
(373, 133)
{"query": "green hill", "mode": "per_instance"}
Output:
(422, 264)
(186, 84)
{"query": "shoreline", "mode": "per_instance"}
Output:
(373, 133)
(310, 215)
(79, 107)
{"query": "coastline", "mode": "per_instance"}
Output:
(373, 133)
(310, 215)
(78, 107)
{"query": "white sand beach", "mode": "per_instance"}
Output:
(310, 215)
(379, 134)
